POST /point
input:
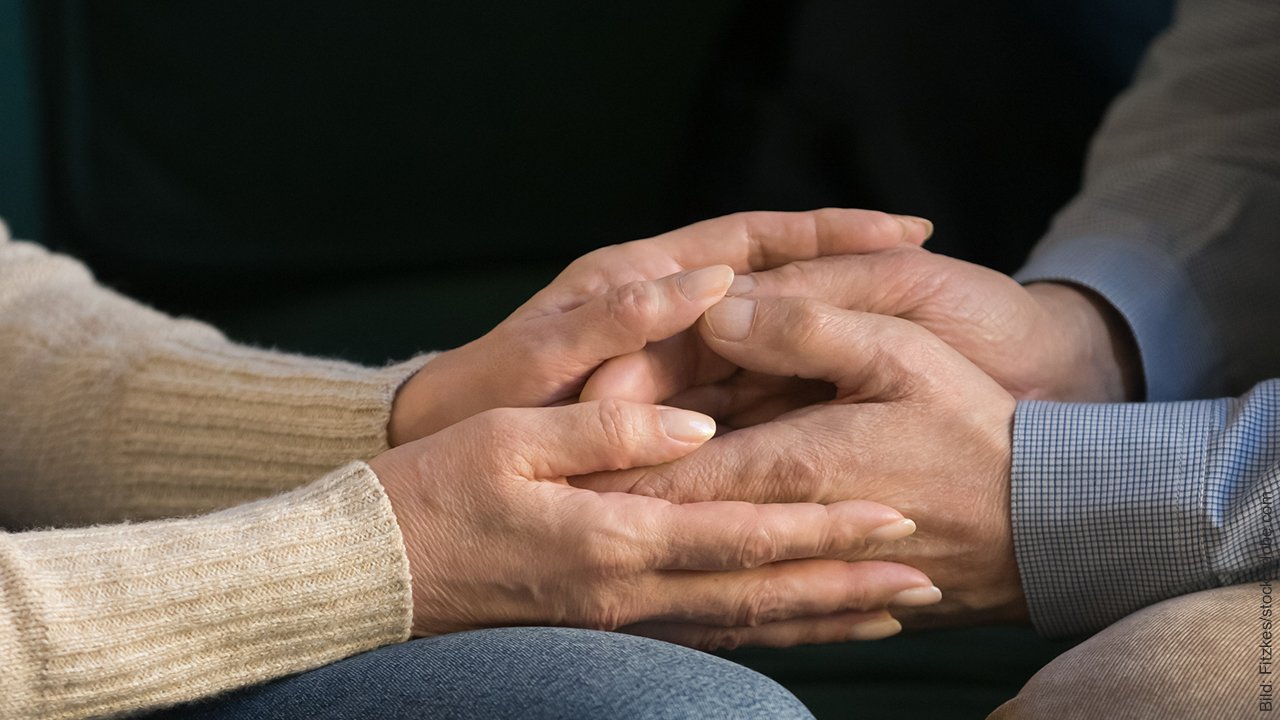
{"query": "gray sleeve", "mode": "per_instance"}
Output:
(1178, 221)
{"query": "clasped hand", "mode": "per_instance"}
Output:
(889, 376)
(496, 535)
(861, 378)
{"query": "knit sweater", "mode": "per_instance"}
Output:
(113, 416)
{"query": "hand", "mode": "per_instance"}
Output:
(1042, 341)
(913, 425)
(495, 536)
(615, 300)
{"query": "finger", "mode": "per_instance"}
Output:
(893, 282)
(751, 398)
(833, 628)
(800, 588)
(603, 435)
(762, 240)
(738, 535)
(873, 354)
(658, 371)
(626, 318)
(779, 462)
(715, 473)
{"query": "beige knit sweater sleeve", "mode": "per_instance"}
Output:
(111, 412)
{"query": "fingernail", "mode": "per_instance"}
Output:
(687, 426)
(875, 629)
(742, 284)
(731, 318)
(916, 597)
(706, 282)
(889, 532)
(926, 224)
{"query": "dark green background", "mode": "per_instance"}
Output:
(370, 179)
(19, 201)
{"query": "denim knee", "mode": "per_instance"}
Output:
(515, 673)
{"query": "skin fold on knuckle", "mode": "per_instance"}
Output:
(605, 611)
(759, 545)
(757, 251)
(620, 428)
(652, 482)
(886, 228)
(717, 639)
(602, 583)
(634, 306)
(799, 473)
(859, 593)
(764, 602)
(802, 323)
(500, 442)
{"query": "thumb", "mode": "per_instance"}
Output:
(626, 318)
(607, 435)
(870, 355)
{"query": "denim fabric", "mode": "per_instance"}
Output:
(526, 673)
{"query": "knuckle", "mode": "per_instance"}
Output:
(761, 606)
(801, 474)
(902, 359)
(635, 303)
(618, 428)
(653, 483)
(860, 597)
(499, 430)
(759, 547)
(885, 226)
(807, 320)
(608, 551)
(721, 639)
(919, 275)
(748, 224)
(604, 613)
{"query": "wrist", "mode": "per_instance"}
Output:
(1094, 350)
(431, 399)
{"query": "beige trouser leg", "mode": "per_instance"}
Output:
(1205, 655)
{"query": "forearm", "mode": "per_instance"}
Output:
(1116, 507)
(1175, 224)
(121, 618)
(114, 411)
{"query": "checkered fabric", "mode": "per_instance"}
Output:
(1116, 507)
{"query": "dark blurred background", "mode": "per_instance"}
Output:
(371, 179)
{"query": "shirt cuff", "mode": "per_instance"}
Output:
(1175, 339)
(1109, 507)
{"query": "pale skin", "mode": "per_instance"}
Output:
(496, 535)
(838, 403)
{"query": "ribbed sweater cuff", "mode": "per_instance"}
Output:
(116, 618)
(245, 422)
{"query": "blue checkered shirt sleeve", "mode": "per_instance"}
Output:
(1119, 506)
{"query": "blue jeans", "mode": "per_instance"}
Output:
(525, 673)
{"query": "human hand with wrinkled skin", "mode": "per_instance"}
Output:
(617, 299)
(495, 536)
(911, 424)
(1043, 341)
